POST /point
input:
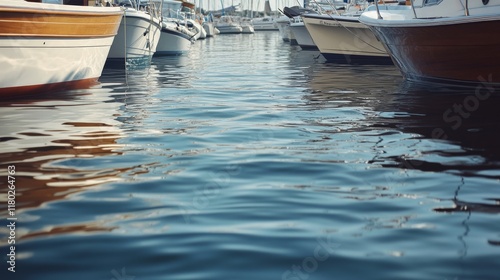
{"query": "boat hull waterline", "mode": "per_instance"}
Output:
(173, 42)
(302, 36)
(47, 47)
(450, 50)
(345, 40)
(137, 38)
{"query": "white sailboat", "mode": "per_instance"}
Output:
(226, 25)
(266, 23)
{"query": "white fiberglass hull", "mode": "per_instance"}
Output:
(302, 36)
(45, 47)
(247, 29)
(284, 29)
(209, 28)
(137, 36)
(229, 29)
(264, 24)
(345, 39)
(173, 42)
(40, 61)
(283, 24)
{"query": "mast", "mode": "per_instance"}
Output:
(251, 8)
(267, 8)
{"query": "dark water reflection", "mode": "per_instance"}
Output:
(251, 159)
(40, 136)
(465, 117)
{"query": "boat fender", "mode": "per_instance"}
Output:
(485, 2)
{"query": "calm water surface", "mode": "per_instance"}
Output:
(251, 159)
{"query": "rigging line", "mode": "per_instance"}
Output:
(355, 35)
(149, 29)
(124, 21)
(125, 42)
(461, 238)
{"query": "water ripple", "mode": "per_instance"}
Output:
(251, 159)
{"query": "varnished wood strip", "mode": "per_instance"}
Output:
(48, 24)
(94, 26)
(17, 92)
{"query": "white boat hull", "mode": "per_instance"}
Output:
(45, 61)
(302, 36)
(209, 28)
(173, 42)
(45, 47)
(341, 39)
(264, 24)
(137, 37)
(229, 29)
(284, 29)
(247, 29)
(203, 33)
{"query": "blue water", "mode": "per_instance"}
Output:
(251, 159)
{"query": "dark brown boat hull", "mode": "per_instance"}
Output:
(463, 53)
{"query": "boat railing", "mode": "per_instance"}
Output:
(413, 8)
(378, 10)
(383, 2)
(466, 8)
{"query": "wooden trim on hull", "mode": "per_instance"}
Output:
(466, 53)
(24, 91)
(15, 22)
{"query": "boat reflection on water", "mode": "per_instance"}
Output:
(467, 121)
(466, 118)
(176, 71)
(419, 127)
(53, 144)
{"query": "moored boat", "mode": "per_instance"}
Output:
(174, 39)
(47, 47)
(283, 24)
(302, 35)
(209, 28)
(226, 25)
(246, 25)
(344, 39)
(451, 41)
(341, 38)
(266, 23)
(138, 35)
